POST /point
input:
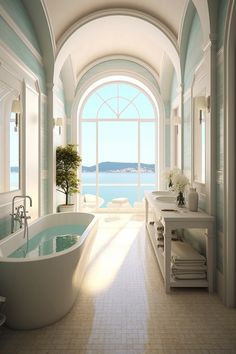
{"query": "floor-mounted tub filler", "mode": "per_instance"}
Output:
(41, 278)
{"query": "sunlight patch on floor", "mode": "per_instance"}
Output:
(111, 248)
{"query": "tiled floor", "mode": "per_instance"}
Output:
(122, 306)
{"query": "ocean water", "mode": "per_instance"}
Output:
(14, 181)
(116, 185)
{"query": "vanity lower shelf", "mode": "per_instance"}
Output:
(160, 256)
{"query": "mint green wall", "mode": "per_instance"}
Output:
(194, 52)
(167, 134)
(194, 55)
(222, 11)
(44, 159)
(12, 40)
(220, 116)
(187, 136)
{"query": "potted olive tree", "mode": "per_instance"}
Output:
(67, 162)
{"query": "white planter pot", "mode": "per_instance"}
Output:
(66, 208)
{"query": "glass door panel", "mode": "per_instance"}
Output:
(88, 189)
(147, 153)
(118, 157)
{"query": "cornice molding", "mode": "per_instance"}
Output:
(52, 35)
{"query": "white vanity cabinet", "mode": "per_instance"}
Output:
(179, 218)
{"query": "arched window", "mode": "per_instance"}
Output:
(118, 125)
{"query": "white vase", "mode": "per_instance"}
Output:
(193, 199)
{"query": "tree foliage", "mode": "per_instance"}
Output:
(67, 162)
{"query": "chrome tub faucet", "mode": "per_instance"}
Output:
(20, 213)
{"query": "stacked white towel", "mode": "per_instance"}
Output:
(186, 263)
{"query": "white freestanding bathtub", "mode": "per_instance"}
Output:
(41, 289)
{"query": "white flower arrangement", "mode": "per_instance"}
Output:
(180, 181)
(168, 174)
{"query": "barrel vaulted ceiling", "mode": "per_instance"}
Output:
(84, 33)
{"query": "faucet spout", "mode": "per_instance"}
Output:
(30, 199)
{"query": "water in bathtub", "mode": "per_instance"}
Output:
(50, 241)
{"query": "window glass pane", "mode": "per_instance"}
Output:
(147, 152)
(91, 106)
(128, 91)
(118, 151)
(109, 192)
(14, 155)
(108, 110)
(130, 111)
(145, 106)
(144, 189)
(107, 91)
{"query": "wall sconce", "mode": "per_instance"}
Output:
(176, 120)
(58, 122)
(17, 109)
(203, 102)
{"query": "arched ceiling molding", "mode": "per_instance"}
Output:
(39, 16)
(201, 7)
(50, 29)
(67, 42)
(184, 34)
(203, 12)
(166, 77)
(122, 65)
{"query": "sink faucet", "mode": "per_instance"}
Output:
(20, 211)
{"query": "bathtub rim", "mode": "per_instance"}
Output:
(89, 227)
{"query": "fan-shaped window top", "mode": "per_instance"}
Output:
(118, 100)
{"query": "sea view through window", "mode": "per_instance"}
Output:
(118, 124)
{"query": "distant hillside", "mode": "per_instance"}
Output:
(119, 167)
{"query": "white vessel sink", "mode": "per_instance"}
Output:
(166, 198)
